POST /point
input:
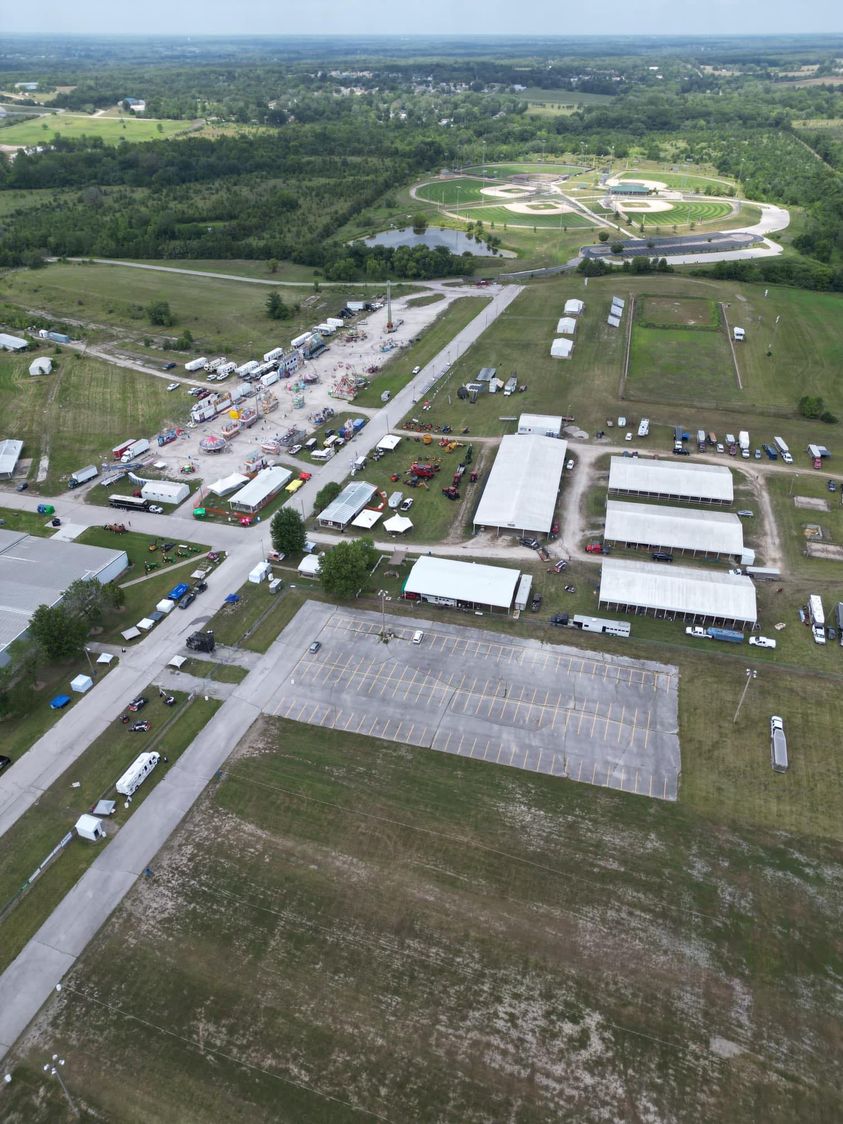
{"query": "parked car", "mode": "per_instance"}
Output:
(294, 449)
(662, 556)
(173, 386)
(416, 370)
(680, 451)
(188, 599)
(762, 642)
(531, 543)
(628, 437)
(758, 454)
(831, 632)
(736, 572)
(5, 762)
(169, 366)
(745, 513)
(832, 485)
(22, 486)
(406, 504)
(536, 603)
(315, 646)
(200, 587)
(137, 704)
(569, 465)
(156, 509)
(559, 618)
(140, 727)
(595, 548)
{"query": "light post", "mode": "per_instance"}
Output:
(750, 675)
(90, 665)
(52, 1068)
(383, 615)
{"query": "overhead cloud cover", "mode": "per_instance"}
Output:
(434, 17)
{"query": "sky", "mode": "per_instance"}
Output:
(432, 17)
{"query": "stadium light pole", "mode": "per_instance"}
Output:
(750, 675)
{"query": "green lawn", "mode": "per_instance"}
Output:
(682, 214)
(35, 834)
(111, 130)
(257, 618)
(459, 190)
(792, 522)
(75, 415)
(396, 372)
(27, 522)
(679, 181)
(507, 171)
(681, 365)
(215, 672)
(348, 929)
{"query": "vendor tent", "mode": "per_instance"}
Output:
(166, 606)
(177, 662)
(81, 684)
(561, 349)
(146, 624)
(130, 634)
(89, 827)
(366, 519)
(106, 658)
(310, 566)
(567, 326)
(573, 307)
(398, 525)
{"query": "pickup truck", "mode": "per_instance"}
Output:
(695, 630)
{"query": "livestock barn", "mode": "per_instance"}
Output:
(671, 480)
(677, 593)
(713, 534)
(521, 492)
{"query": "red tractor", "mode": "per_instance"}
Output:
(424, 471)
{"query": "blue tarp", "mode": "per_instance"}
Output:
(232, 599)
(59, 701)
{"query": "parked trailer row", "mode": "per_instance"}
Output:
(196, 364)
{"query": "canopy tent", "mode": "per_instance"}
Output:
(130, 634)
(106, 658)
(309, 566)
(366, 519)
(567, 326)
(81, 684)
(573, 307)
(146, 624)
(561, 349)
(389, 442)
(165, 606)
(177, 662)
(398, 525)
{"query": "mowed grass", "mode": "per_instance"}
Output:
(462, 190)
(75, 415)
(110, 130)
(678, 181)
(348, 929)
(792, 522)
(681, 365)
(682, 214)
(35, 834)
(507, 171)
(499, 216)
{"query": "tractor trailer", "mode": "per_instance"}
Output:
(82, 476)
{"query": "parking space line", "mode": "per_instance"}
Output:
(594, 721)
(665, 788)
(350, 716)
(486, 750)
(608, 720)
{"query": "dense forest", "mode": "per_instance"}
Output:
(315, 136)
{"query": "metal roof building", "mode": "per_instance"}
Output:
(716, 533)
(443, 581)
(258, 492)
(10, 452)
(36, 571)
(545, 425)
(12, 343)
(670, 592)
(350, 502)
(669, 480)
(520, 494)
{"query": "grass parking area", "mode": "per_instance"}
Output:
(681, 365)
(801, 501)
(34, 835)
(396, 372)
(440, 920)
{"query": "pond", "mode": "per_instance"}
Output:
(454, 240)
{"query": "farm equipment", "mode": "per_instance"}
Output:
(167, 560)
(451, 493)
(148, 567)
(187, 469)
(542, 553)
(116, 528)
(473, 477)
(424, 471)
(153, 546)
(458, 475)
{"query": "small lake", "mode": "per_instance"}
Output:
(454, 240)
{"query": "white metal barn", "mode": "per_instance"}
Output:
(566, 326)
(12, 343)
(677, 592)
(669, 480)
(520, 494)
(574, 307)
(543, 425)
(712, 533)
(443, 581)
(258, 492)
(561, 349)
(165, 491)
(349, 503)
(10, 452)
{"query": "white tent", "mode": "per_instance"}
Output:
(146, 624)
(89, 827)
(130, 634)
(177, 662)
(567, 326)
(573, 307)
(309, 566)
(41, 366)
(561, 349)
(398, 525)
(613, 322)
(390, 442)
(165, 606)
(260, 572)
(366, 519)
(228, 484)
(106, 658)
(81, 684)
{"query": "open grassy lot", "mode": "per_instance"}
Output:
(74, 415)
(396, 372)
(226, 317)
(27, 522)
(139, 547)
(498, 216)
(506, 171)
(679, 181)
(32, 838)
(257, 618)
(681, 365)
(461, 190)
(215, 672)
(346, 928)
(677, 312)
(110, 130)
(793, 521)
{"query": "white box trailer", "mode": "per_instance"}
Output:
(82, 475)
(324, 329)
(165, 491)
(817, 614)
(137, 773)
(225, 370)
(301, 340)
(271, 356)
(247, 368)
(270, 379)
(196, 364)
(335, 322)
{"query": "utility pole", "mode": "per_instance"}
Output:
(750, 675)
(52, 1069)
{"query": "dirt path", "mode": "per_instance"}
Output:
(772, 549)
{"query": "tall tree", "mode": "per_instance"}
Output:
(287, 531)
(346, 568)
(58, 633)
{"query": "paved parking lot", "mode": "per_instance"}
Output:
(597, 718)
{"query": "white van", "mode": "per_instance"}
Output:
(418, 637)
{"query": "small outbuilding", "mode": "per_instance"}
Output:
(12, 343)
(165, 491)
(81, 684)
(566, 326)
(540, 425)
(10, 451)
(574, 307)
(260, 573)
(739, 334)
(310, 566)
(43, 365)
(91, 828)
(561, 349)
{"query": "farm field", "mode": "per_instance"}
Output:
(563, 97)
(500, 216)
(111, 130)
(52, 415)
(438, 919)
(462, 190)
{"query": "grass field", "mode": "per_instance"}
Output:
(461, 190)
(793, 520)
(681, 365)
(682, 214)
(35, 834)
(679, 181)
(347, 929)
(74, 415)
(665, 312)
(111, 130)
(500, 216)
(507, 171)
